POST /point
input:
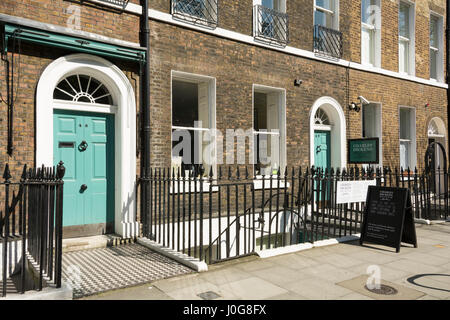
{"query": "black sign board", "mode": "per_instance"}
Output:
(364, 151)
(388, 218)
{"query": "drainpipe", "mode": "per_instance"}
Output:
(447, 56)
(145, 112)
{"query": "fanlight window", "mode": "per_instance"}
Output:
(433, 129)
(82, 88)
(321, 118)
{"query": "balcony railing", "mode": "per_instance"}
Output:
(201, 12)
(327, 42)
(270, 25)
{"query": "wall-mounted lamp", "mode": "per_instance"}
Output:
(357, 106)
(298, 82)
(354, 107)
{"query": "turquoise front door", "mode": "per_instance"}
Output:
(85, 142)
(322, 150)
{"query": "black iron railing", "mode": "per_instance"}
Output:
(233, 215)
(327, 42)
(271, 25)
(31, 229)
(202, 12)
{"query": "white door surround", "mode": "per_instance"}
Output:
(125, 126)
(337, 127)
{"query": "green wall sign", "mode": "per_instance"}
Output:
(363, 151)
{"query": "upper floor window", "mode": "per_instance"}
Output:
(202, 12)
(270, 22)
(371, 32)
(406, 41)
(436, 48)
(326, 13)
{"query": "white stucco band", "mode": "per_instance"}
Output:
(338, 130)
(125, 127)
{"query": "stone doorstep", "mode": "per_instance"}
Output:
(93, 242)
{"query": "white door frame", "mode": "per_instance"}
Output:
(338, 131)
(122, 92)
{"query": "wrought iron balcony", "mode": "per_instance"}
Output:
(327, 42)
(270, 25)
(202, 12)
(120, 3)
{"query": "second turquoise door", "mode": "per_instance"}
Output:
(322, 156)
(85, 142)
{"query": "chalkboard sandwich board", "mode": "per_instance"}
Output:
(364, 151)
(388, 218)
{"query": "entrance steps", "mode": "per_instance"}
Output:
(93, 242)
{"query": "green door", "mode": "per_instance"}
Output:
(85, 142)
(322, 157)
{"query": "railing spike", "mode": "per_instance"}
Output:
(7, 174)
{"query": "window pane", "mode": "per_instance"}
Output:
(267, 153)
(327, 4)
(368, 46)
(184, 103)
(434, 41)
(268, 4)
(403, 52)
(433, 64)
(323, 19)
(405, 155)
(405, 123)
(404, 20)
(369, 11)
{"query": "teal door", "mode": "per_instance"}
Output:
(85, 142)
(322, 156)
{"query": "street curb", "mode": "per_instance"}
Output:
(193, 263)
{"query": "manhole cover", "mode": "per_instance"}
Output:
(208, 295)
(383, 290)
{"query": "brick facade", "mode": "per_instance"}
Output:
(237, 66)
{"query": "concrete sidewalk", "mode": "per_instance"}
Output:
(333, 272)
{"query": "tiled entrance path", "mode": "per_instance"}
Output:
(334, 272)
(98, 270)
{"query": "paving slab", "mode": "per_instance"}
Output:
(280, 275)
(358, 285)
(318, 289)
(253, 289)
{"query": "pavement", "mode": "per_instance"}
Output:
(337, 272)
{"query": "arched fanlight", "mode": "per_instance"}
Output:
(433, 128)
(82, 88)
(321, 117)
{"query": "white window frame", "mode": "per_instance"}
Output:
(282, 5)
(376, 37)
(335, 14)
(281, 120)
(413, 139)
(439, 49)
(196, 78)
(411, 58)
(379, 129)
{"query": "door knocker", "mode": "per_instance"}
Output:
(318, 149)
(83, 146)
